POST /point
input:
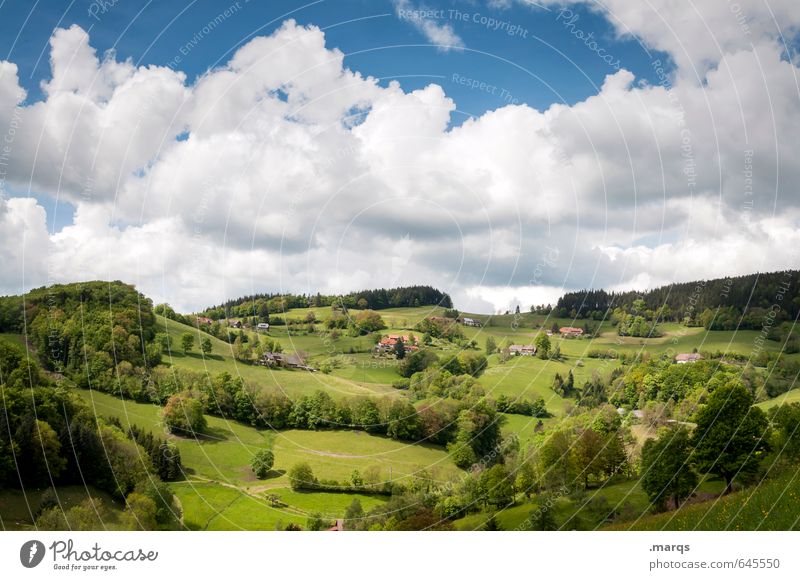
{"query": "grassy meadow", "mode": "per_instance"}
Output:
(221, 492)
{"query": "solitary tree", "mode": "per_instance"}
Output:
(491, 345)
(301, 476)
(206, 346)
(542, 343)
(262, 463)
(187, 341)
(731, 433)
(666, 472)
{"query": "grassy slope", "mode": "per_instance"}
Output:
(773, 505)
(225, 451)
(524, 427)
(531, 377)
(792, 396)
(293, 382)
(211, 506)
(220, 480)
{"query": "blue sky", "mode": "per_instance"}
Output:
(538, 64)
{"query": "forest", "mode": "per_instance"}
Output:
(262, 306)
(743, 302)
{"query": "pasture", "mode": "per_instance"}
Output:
(292, 382)
(220, 491)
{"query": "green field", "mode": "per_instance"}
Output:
(531, 377)
(292, 382)
(218, 463)
(224, 453)
(524, 427)
(212, 506)
(787, 398)
(14, 339)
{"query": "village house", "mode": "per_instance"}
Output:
(691, 357)
(388, 343)
(235, 323)
(470, 322)
(281, 360)
(262, 326)
(204, 320)
(570, 332)
(522, 349)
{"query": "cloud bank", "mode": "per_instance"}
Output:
(283, 170)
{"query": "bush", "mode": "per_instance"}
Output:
(402, 384)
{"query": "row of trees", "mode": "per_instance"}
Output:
(187, 396)
(261, 306)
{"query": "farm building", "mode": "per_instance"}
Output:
(279, 359)
(570, 332)
(389, 342)
(522, 349)
(262, 326)
(204, 320)
(691, 357)
(470, 322)
(235, 323)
